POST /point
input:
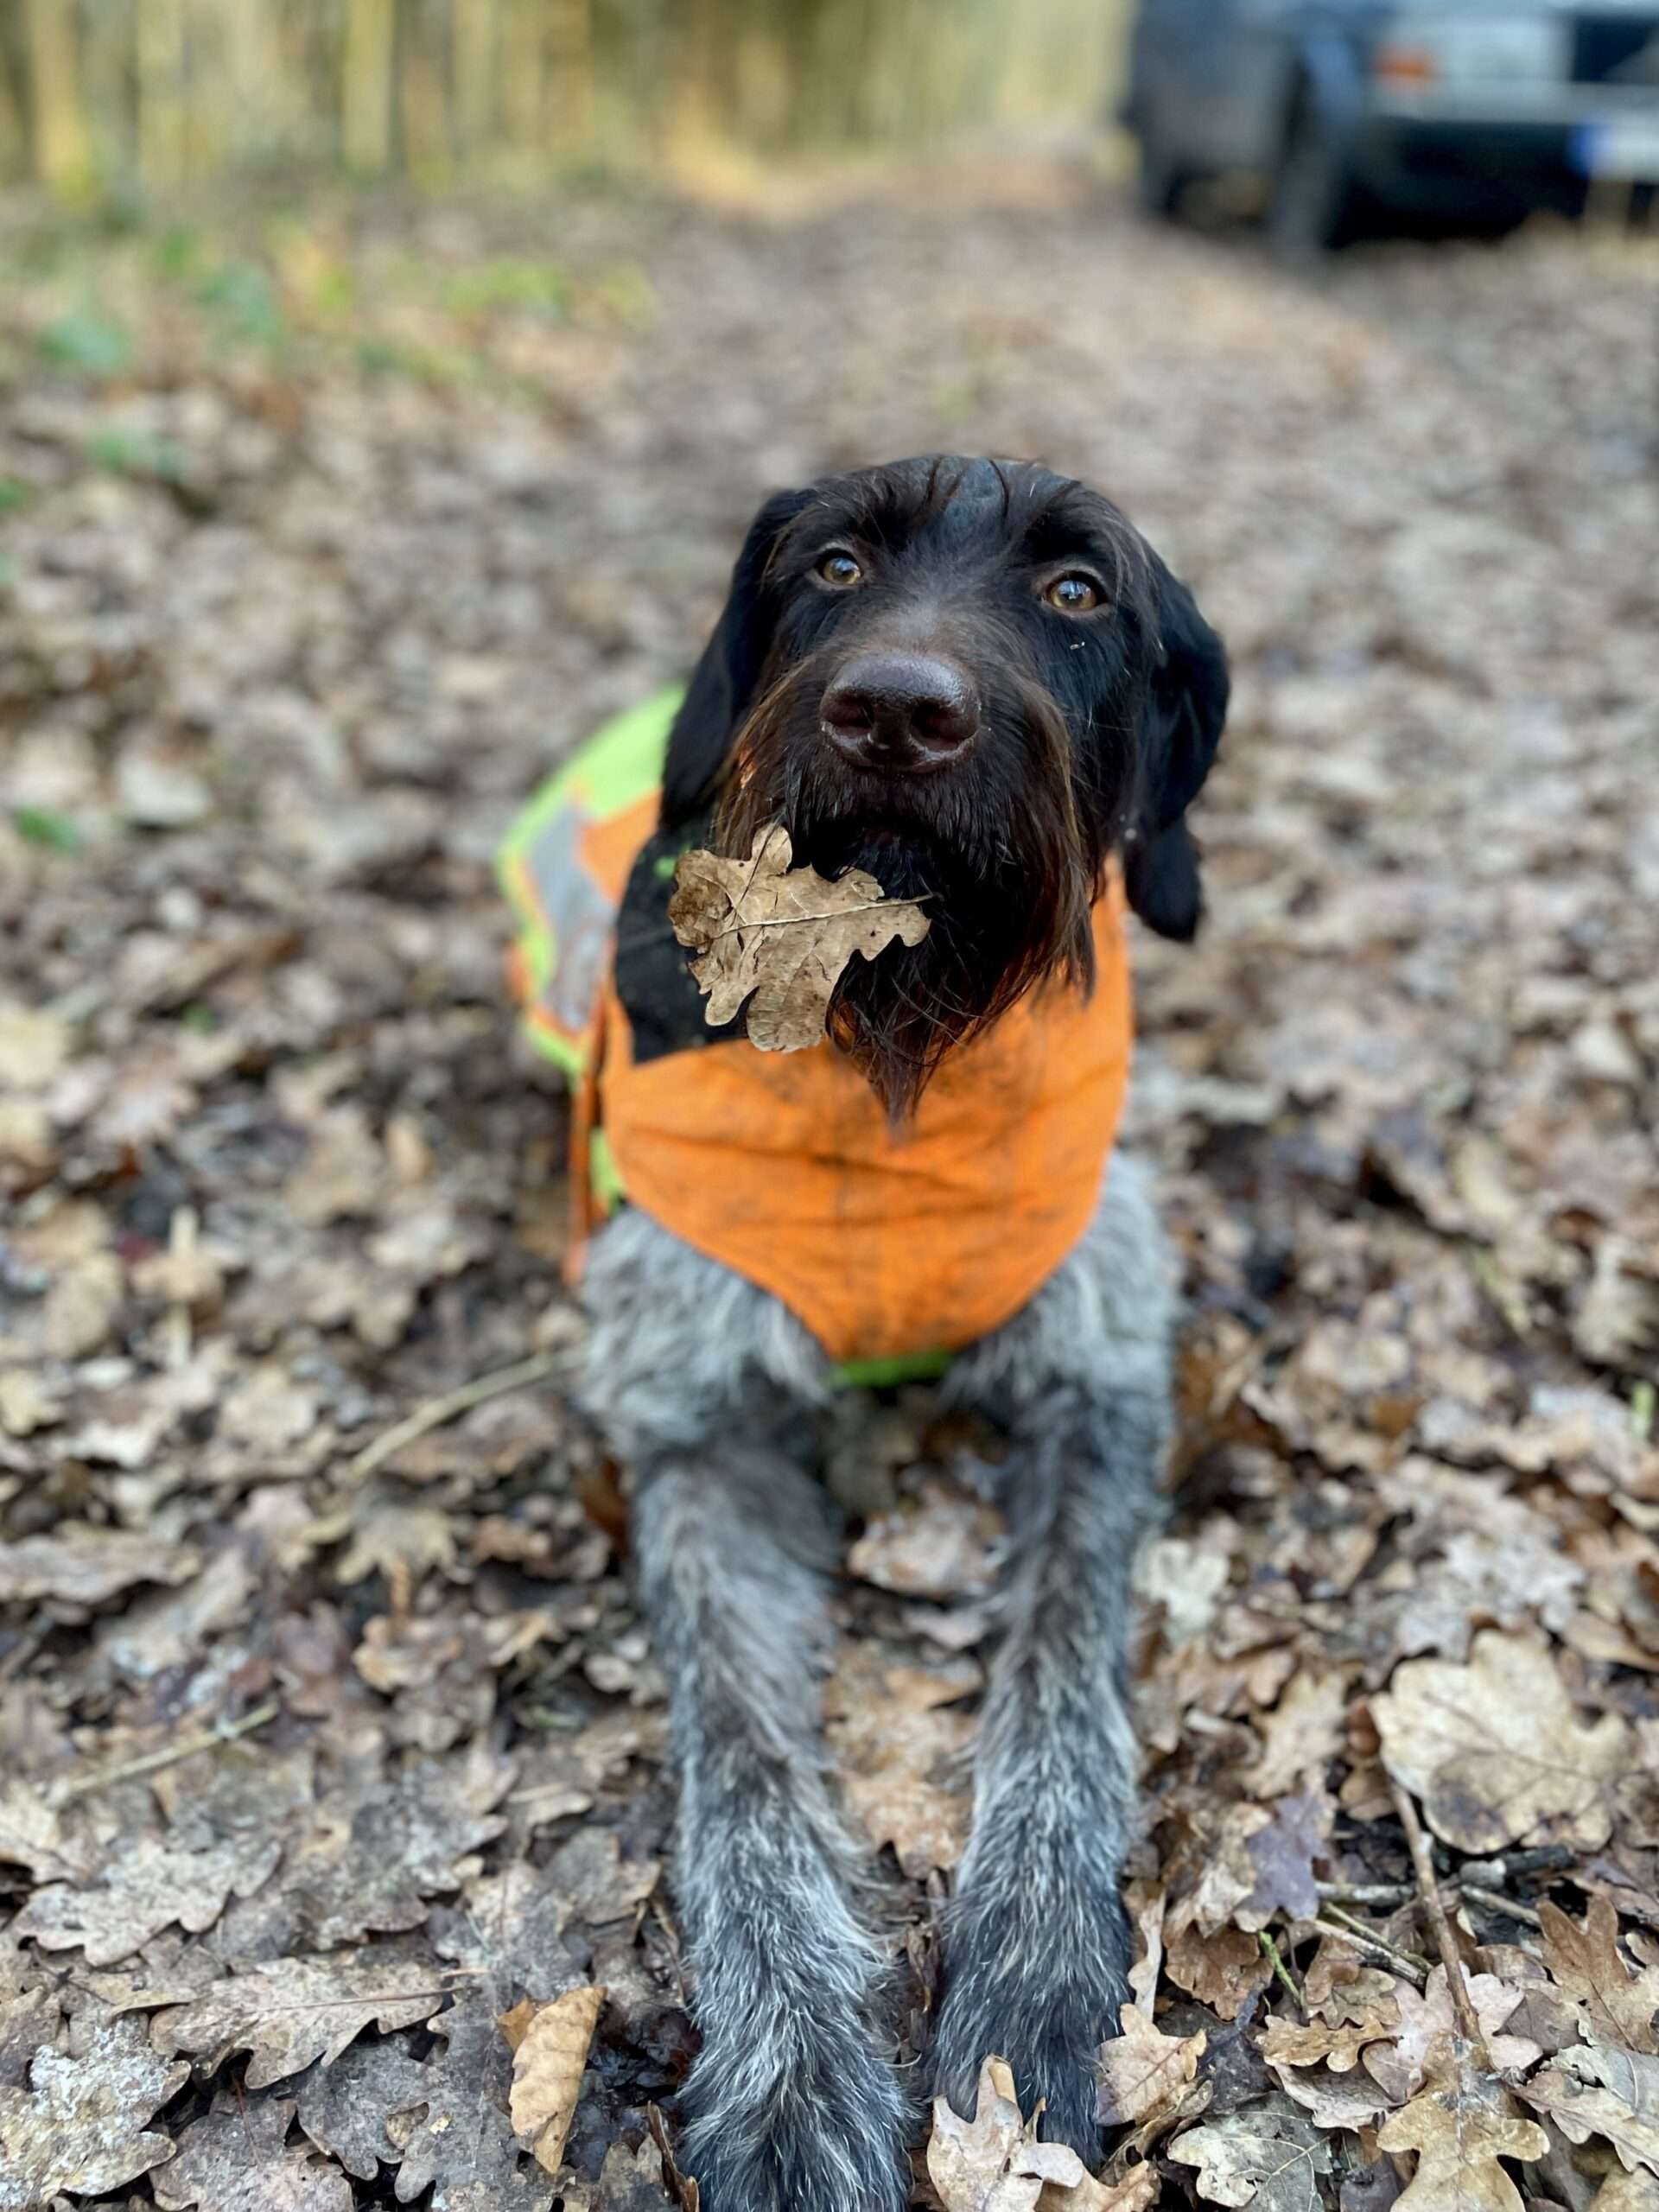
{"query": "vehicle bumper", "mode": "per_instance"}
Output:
(1422, 155)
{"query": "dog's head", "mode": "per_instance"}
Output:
(975, 679)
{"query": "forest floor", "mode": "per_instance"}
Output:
(326, 529)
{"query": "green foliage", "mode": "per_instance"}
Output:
(244, 297)
(177, 251)
(238, 292)
(44, 826)
(138, 452)
(388, 357)
(13, 493)
(88, 342)
(510, 281)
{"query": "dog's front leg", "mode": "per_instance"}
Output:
(794, 2105)
(1037, 1943)
(706, 1385)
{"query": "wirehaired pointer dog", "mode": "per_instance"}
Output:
(976, 680)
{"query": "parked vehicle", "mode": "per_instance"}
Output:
(1343, 111)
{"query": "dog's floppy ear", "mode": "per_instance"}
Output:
(722, 685)
(1181, 728)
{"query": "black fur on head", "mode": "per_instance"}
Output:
(977, 680)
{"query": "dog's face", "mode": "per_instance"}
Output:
(975, 679)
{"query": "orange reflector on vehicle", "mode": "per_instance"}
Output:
(1404, 64)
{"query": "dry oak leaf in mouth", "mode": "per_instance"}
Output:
(1495, 1752)
(779, 937)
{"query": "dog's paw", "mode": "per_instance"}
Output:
(1046, 2014)
(778, 2131)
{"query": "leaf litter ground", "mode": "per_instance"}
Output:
(319, 1756)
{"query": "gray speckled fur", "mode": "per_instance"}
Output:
(712, 1389)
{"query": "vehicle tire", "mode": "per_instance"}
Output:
(1160, 182)
(1315, 207)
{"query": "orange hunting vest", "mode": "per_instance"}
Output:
(895, 1249)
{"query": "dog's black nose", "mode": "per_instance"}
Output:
(901, 710)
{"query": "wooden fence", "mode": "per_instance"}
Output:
(102, 95)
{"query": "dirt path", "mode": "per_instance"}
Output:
(321, 539)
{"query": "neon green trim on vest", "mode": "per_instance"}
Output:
(887, 1374)
(603, 1172)
(618, 766)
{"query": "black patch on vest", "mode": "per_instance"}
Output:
(653, 970)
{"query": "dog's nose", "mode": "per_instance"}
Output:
(901, 710)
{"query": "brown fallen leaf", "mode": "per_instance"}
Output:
(1495, 1749)
(83, 2124)
(779, 937)
(1290, 2042)
(1424, 2044)
(1141, 2068)
(1592, 2091)
(1147, 1903)
(549, 2058)
(898, 1737)
(83, 1305)
(968, 2159)
(1302, 1733)
(629, 2181)
(378, 1848)
(1267, 2155)
(31, 1834)
(510, 1935)
(290, 2012)
(1223, 1970)
(1584, 1958)
(456, 2140)
(86, 1565)
(943, 1545)
(146, 1887)
(1460, 2127)
(1623, 2192)
(993, 2162)
(1333, 2100)
(344, 2106)
(402, 1541)
(237, 2158)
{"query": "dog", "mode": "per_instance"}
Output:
(976, 680)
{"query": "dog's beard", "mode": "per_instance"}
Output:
(994, 847)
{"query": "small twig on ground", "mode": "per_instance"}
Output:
(681, 2188)
(1364, 1939)
(1274, 1958)
(205, 1739)
(1398, 1893)
(1539, 1859)
(1494, 1901)
(182, 1234)
(436, 1411)
(1385, 1893)
(1434, 1905)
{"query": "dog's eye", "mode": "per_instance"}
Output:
(1073, 594)
(840, 571)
